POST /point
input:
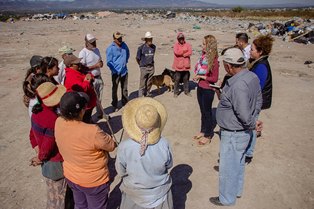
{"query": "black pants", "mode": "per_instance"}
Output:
(123, 80)
(183, 76)
(205, 99)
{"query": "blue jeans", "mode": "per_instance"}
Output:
(205, 99)
(251, 146)
(231, 165)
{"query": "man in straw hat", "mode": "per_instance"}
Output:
(64, 52)
(240, 101)
(92, 59)
(145, 59)
(117, 59)
(143, 160)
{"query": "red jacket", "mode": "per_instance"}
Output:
(42, 135)
(182, 55)
(74, 81)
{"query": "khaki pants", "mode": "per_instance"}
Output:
(145, 80)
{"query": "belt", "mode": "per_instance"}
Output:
(97, 76)
(148, 66)
(224, 129)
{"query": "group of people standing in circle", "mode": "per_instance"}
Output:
(73, 151)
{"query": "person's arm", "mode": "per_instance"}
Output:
(189, 51)
(259, 103)
(213, 78)
(33, 139)
(262, 73)
(138, 55)
(104, 141)
(109, 57)
(241, 106)
(177, 50)
(127, 53)
(169, 163)
(120, 164)
(48, 144)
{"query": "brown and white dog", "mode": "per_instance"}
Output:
(163, 80)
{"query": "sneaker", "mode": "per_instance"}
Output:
(215, 201)
(188, 94)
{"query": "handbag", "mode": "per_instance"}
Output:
(52, 170)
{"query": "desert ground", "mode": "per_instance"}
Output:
(281, 175)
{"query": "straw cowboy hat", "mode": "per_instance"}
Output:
(50, 94)
(148, 34)
(144, 119)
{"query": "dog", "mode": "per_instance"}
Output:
(169, 72)
(172, 74)
(163, 80)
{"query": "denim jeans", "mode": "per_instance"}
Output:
(123, 80)
(205, 99)
(251, 146)
(232, 164)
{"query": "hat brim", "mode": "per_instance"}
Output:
(55, 98)
(92, 40)
(147, 37)
(129, 122)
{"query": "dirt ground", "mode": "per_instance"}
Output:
(282, 173)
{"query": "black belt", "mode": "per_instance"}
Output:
(148, 66)
(97, 76)
(224, 129)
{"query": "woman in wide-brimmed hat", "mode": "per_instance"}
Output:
(143, 160)
(42, 137)
(84, 148)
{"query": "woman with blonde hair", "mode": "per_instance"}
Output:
(206, 73)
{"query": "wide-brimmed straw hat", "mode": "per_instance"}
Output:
(144, 117)
(50, 94)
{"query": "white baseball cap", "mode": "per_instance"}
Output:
(90, 38)
(234, 56)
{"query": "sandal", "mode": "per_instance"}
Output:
(204, 140)
(198, 136)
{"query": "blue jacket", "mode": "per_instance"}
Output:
(117, 58)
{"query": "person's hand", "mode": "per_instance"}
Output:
(35, 161)
(196, 78)
(259, 125)
(88, 77)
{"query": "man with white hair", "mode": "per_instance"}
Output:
(91, 58)
(240, 102)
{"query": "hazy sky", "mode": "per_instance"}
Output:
(239, 2)
(236, 2)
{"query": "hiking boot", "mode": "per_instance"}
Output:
(188, 94)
